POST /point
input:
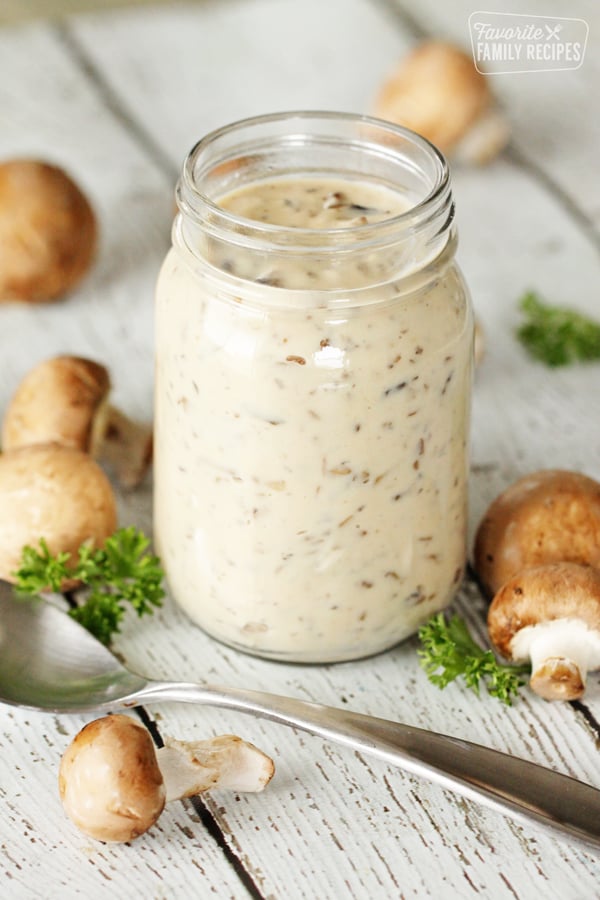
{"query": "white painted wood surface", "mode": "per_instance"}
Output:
(118, 99)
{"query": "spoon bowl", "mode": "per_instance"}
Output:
(49, 662)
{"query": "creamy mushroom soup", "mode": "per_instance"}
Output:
(310, 458)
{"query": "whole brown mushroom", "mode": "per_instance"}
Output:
(549, 516)
(48, 231)
(550, 615)
(65, 400)
(437, 92)
(55, 493)
(114, 784)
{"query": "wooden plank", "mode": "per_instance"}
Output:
(140, 90)
(61, 119)
(553, 115)
(194, 69)
(109, 318)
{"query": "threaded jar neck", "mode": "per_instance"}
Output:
(324, 145)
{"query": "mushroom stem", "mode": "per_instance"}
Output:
(485, 138)
(561, 652)
(226, 761)
(558, 679)
(122, 444)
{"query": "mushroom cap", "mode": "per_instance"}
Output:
(48, 231)
(436, 91)
(52, 492)
(56, 401)
(109, 781)
(546, 517)
(544, 594)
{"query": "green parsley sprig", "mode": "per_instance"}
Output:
(449, 652)
(557, 335)
(120, 574)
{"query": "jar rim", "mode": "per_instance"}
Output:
(435, 208)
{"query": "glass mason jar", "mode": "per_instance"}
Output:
(312, 391)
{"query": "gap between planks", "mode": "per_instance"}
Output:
(208, 820)
(112, 101)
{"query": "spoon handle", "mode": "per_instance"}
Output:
(515, 787)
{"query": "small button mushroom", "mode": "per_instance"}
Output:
(65, 400)
(550, 615)
(48, 231)
(114, 784)
(546, 517)
(437, 92)
(51, 492)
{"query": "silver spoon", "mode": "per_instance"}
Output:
(49, 662)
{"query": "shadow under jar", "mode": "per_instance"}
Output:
(313, 375)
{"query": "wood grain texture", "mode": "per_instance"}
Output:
(119, 99)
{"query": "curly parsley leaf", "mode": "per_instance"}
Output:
(449, 652)
(40, 571)
(122, 573)
(557, 335)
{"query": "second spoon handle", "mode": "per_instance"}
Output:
(520, 789)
